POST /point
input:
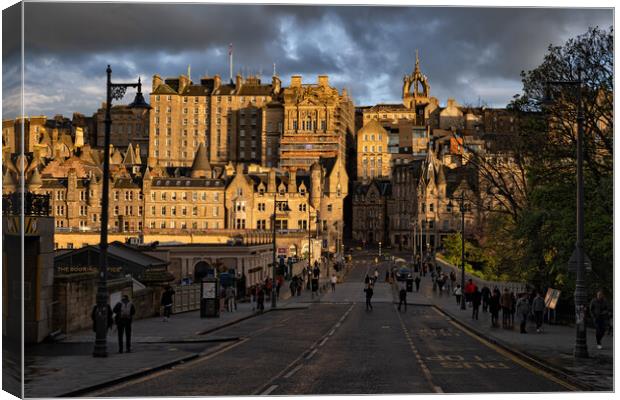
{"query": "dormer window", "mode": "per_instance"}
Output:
(302, 191)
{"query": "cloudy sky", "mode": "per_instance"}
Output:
(472, 54)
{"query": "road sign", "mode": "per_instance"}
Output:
(551, 298)
(572, 263)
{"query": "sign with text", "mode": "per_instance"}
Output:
(551, 298)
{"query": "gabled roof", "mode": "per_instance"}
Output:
(164, 89)
(372, 125)
(129, 156)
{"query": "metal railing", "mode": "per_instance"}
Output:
(186, 298)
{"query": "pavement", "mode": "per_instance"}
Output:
(552, 348)
(68, 368)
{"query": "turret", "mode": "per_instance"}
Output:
(315, 185)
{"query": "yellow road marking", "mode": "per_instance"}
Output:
(512, 357)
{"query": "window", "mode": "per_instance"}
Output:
(329, 208)
(163, 210)
(240, 223)
(195, 211)
(431, 207)
(116, 195)
(115, 210)
(261, 206)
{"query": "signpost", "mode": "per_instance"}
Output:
(551, 301)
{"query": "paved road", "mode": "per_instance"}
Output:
(335, 346)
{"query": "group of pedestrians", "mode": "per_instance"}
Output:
(122, 315)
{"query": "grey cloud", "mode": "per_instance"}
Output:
(461, 49)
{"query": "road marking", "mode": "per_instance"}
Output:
(292, 372)
(309, 356)
(512, 357)
(425, 371)
(271, 389)
(331, 332)
(323, 342)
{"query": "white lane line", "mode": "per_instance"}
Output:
(271, 389)
(309, 356)
(292, 372)
(323, 342)
(331, 332)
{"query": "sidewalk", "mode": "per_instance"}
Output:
(553, 347)
(55, 369)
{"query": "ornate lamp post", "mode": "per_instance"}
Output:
(461, 200)
(581, 343)
(281, 205)
(114, 91)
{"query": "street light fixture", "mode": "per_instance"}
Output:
(461, 200)
(281, 205)
(114, 91)
(581, 343)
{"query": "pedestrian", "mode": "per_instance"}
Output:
(334, 280)
(523, 310)
(505, 302)
(402, 294)
(538, 309)
(486, 296)
(166, 302)
(230, 295)
(253, 297)
(387, 276)
(417, 283)
(452, 280)
(468, 291)
(367, 280)
(476, 299)
(376, 275)
(600, 313)
(458, 293)
(124, 311)
(279, 283)
(293, 286)
(300, 286)
(494, 306)
(260, 299)
(369, 293)
(440, 283)
(513, 308)
(93, 316)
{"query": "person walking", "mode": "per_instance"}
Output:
(417, 283)
(505, 302)
(293, 286)
(486, 296)
(367, 279)
(494, 307)
(369, 293)
(260, 299)
(523, 310)
(458, 293)
(333, 281)
(230, 295)
(440, 282)
(402, 294)
(253, 293)
(376, 275)
(452, 280)
(124, 311)
(279, 283)
(513, 308)
(600, 313)
(476, 299)
(166, 302)
(538, 308)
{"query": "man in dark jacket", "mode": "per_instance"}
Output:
(600, 312)
(369, 293)
(166, 302)
(486, 296)
(538, 308)
(124, 312)
(476, 298)
(93, 316)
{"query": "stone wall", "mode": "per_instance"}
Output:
(75, 296)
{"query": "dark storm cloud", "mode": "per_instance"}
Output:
(467, 53)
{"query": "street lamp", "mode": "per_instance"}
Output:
(461, 200)
(282, 205)
(114, 91)
(581, 344)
